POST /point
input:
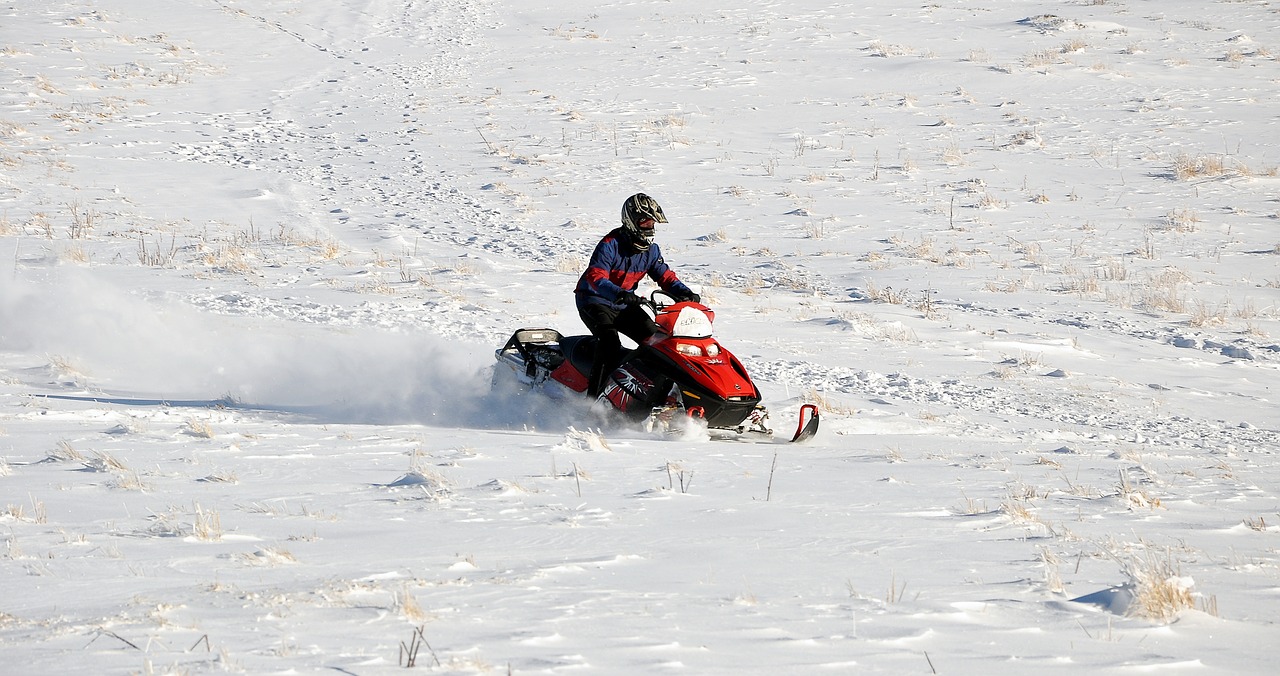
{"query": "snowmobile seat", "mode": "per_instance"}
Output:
(580, 351)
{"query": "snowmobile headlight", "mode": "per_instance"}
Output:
(689, 349)
(713, 350)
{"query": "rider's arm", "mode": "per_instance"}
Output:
(665, 277)
(597, 279)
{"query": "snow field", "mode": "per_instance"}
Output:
(1023, 253)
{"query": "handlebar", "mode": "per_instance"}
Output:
(653, 302)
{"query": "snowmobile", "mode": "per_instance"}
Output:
(681, 370)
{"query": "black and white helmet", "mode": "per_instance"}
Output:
(640, 213)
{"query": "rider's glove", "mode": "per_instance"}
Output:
(690, 297)
(628, 298)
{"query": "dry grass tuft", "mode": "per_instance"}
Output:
(1135, 496)
(1160, 591)
(1163, 291)
(1181, 220)
(269, 556)
(828, 405)
(1052, 578)
(885, 295)
(570, 264)
(406, 605)
(198, 428)
(105, 462)
(207, 525)
(1202, 315)
(888, 51)
(1188, 167)
(1259, 524)
(19, 513)
(585, 440)
(221, 477)
(64, 452)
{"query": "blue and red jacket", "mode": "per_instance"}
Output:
(612, 270)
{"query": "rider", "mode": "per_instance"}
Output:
(605, 293)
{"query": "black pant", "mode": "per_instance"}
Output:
(605, 323)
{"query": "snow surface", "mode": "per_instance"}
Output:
(1024, 254)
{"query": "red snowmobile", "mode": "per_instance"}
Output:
(682, 370)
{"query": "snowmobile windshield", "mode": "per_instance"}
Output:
(691, 323)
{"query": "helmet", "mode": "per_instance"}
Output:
(639, 215)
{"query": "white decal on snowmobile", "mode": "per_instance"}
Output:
(691, 323)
